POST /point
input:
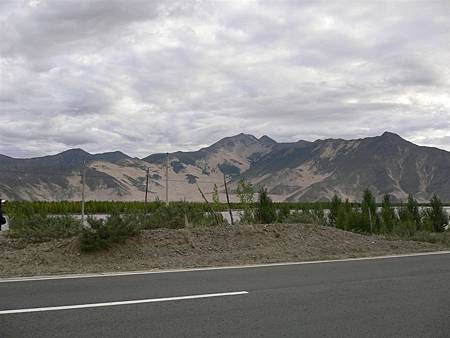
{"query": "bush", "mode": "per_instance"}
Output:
(103, 234)
(41, 227)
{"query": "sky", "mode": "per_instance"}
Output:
(154, 76)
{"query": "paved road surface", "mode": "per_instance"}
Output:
(395, 297)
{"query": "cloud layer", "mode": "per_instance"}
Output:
(148, 76)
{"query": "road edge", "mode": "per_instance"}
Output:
(246, 266)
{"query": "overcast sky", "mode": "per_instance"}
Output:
(148, 76)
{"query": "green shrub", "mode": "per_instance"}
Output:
(40, 227)
(102, 234)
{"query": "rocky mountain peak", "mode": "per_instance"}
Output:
(266, 140)
(72, 155)
(241, 139)
(392, 136)
(113, 156)
(392, 139)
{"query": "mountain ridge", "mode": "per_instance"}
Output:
(262, 138)
(292, 171)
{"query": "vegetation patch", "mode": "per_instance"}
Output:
(37, 227)
(103, 234)
(431, 237)
(30, 220)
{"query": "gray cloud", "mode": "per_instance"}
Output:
(149, 76)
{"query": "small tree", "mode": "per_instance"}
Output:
(437, 214)
(388, 217)
(265, 211)
(412, 208)
(283, 212)
(245, 193)
(369, 210)
(347, 217)
(409, 218)
(334, 209)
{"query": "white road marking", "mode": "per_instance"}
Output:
(127, 302)
(147, 272)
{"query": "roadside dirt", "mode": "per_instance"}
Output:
(215, 246)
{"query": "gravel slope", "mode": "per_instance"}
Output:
(215, 246)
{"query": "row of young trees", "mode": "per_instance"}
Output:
(406, 219)
(366, 216)
(265, 211)
(363, 217)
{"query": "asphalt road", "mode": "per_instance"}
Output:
(395, 297)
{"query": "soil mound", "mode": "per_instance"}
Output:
(196, 247)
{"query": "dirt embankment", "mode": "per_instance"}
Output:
(215, 246)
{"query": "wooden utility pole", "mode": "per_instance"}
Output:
(228, 199)
(146, 190)
(370, 221)
(82, 193)
(167, 178)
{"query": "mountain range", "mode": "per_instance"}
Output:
(297, 171)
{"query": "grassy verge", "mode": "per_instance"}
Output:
(431, 237)
(442, 238)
